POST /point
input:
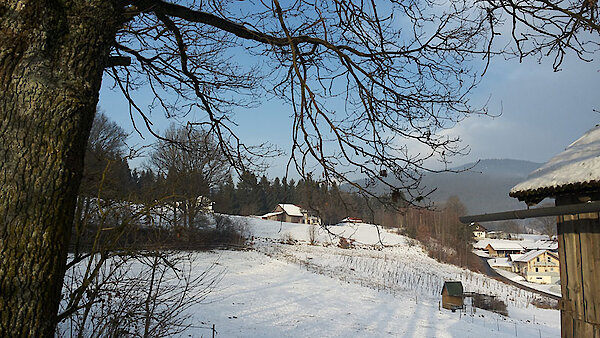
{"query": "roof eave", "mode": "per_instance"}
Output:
(534, 196)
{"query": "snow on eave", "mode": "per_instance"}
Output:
(505, 245)
(271, 214)
(528, 256)
(575, 169)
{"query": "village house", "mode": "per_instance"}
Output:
(354, 220)
(503, 248)
(452, 295)
(537, 266)
(293, 214)
(498, 235)
(479, 232)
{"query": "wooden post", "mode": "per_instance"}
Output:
(579, 254)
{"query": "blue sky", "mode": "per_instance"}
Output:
(541, 112)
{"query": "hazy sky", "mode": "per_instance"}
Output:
(542, 112)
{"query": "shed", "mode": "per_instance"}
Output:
(452, 295)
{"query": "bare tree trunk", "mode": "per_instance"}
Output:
(52, 56)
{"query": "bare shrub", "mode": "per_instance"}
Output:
(142, 294)
(346, 243)
(545, 303)
(490, 303)
(287, 238)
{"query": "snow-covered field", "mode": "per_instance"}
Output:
(303, 290)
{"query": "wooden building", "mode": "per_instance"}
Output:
(573, 178)
(452, 295)
(479, 232)
(503, 248)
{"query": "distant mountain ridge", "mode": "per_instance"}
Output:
(484, 187)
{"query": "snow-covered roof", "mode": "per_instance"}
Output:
(574, 170)
(351, 220)
(540, 245)
(526, 257)
(291, 209)
(499, 262)
(505, 245)
(514, 257)
(271, 214)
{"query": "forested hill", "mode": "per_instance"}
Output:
(485, 187)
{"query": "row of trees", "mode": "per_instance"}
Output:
(186, 170)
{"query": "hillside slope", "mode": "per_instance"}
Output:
(300, 290)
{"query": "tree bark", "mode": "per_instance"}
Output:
(52, 56)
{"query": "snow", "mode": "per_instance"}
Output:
(302, 290)
(526, 257)
(528, 243)
(272, 214)
(541, 245)
(361, 233)
(579, 163)
(265, 297)
(499, 262)
(505, 245)
(291, 209)
(550, 288)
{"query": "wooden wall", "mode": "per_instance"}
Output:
(448, 302)
(579, 253)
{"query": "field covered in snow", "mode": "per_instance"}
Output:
(302, 290)
(285, 287)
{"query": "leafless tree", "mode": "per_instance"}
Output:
(547, 226)
(364, 81)
(141, 294)
(547, 27)
(191, 165)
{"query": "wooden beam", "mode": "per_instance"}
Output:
(570, 209)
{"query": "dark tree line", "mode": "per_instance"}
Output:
(186, 166)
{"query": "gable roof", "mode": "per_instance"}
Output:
(528, 256)
(291, 209)
(576, 169)
(541, 245)
(514, 257)
(478, 227)
(505, 245)
(454, 288)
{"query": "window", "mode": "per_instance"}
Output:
(538, 259)
(537, 270)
